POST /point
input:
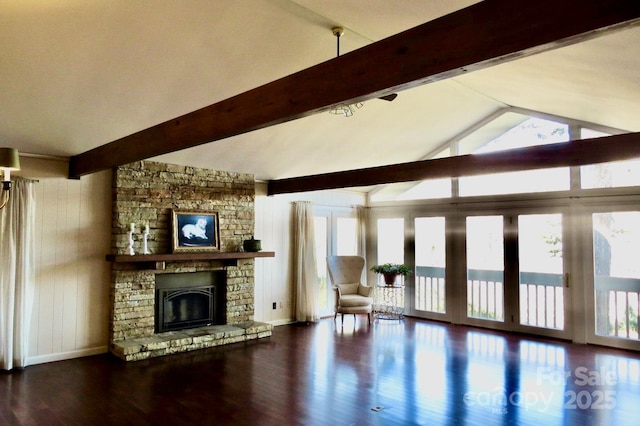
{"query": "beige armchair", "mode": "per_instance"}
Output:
(352, 297)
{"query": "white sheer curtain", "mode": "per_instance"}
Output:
(17, 223)
(361, 215)
(305, 271)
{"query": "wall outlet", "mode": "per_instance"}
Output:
(274, 305)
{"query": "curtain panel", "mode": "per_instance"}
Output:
(361, 238)
(362, 217)
(17, 273)
(305, 271)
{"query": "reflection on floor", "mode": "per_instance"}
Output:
(410, 372)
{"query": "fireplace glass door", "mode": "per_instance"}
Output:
(189, 300)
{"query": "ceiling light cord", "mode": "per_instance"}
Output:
(345, 110)
(338, 32)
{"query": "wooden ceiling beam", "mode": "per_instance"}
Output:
(576, 153)
(485, 34)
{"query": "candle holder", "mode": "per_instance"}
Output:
(144, 241)
(131, 251)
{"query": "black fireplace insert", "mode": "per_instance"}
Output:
(190, 300)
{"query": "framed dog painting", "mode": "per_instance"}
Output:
(195, 231)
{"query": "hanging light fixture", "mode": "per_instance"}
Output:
(9, 161)
(346, 110)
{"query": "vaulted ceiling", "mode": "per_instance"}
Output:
(78, 74)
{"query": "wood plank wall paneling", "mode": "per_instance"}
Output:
(272, 225)
(71, 300)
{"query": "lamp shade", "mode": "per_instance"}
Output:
(9, 159)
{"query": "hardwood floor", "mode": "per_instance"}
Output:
(417, 372)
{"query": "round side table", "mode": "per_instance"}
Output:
(388, 302)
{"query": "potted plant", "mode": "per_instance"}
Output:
(390, 271)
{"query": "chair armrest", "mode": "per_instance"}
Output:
(338, 296)
(338, 292)
(364, 290)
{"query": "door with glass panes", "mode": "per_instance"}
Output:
(429, 284)
(616, 277)
(515, 272)
(335, 234)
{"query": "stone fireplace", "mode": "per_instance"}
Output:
(217, 306)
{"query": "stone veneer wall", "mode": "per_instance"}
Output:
(145, 194)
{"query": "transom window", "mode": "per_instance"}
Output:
(510, 130)
(531, 131)
(608, 175)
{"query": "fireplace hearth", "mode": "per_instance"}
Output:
(189, 300)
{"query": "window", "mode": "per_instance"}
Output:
(428, 189)
(608, 175)
(530, 132)
(391, 240)
(509, 130)
(422, 190)
(347, 236)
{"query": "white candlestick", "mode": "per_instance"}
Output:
(145, 248)
(131, 251)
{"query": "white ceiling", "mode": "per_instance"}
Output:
(76, 74)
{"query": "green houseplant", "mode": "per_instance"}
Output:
(390, 271)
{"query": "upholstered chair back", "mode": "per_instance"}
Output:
(346, 272)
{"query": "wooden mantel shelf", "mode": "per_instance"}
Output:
(157, 261)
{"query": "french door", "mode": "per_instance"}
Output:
(515, 273)
(543, 282)
(485, 272)
(503, 271)
(429, 281)
(616, 278)
(335, 234)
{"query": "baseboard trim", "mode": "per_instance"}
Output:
(281, 322)
(63, 356)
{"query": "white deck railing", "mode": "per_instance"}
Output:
(541, 302)
(541, 299)
(485, 294)
(617, 306)
(430, 289)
